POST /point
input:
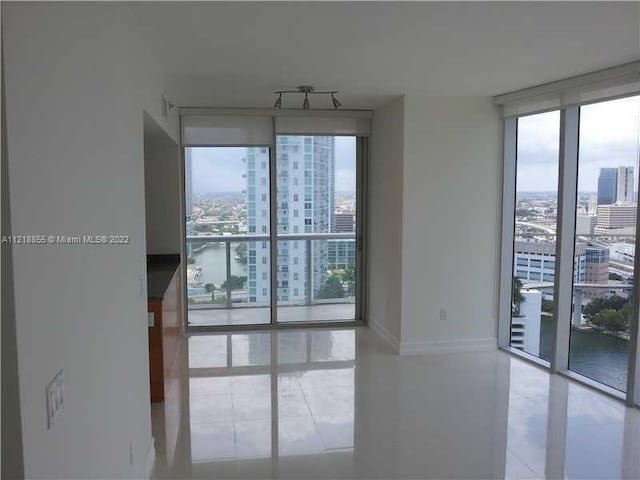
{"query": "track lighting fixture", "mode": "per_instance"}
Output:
(336, 103)
(307, 90)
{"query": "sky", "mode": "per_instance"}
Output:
(220, 169)
(609, 133)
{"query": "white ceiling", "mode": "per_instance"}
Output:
(223, 54)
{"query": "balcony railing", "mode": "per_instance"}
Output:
(241, 297)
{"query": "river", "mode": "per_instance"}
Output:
(213, 260)
(593, 354)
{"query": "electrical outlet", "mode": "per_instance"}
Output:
(55, 398)
(443, 314)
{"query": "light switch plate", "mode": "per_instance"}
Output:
(55, 398)
(151, 319)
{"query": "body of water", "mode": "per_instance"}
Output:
(593, 354)
(213, 260)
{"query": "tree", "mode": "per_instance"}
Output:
(615, 276)
(191, 260)
(209, 287)
(547, 305)
(610, 319)
(598, 305)
(241, 252)
(517, 298)
(332, 288)
(236, 282)
(348, 279)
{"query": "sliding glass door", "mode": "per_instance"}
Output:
(227, 235)
(273, 223)
(316, 215)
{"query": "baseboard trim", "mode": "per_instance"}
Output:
(150, 461)
(386, 335)
(449, 346)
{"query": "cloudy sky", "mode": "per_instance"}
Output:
(609, 133)
(220, 169)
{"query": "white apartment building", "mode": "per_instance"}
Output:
(625, 184)
(525, 327)
(305, 197)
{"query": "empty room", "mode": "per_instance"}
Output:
(391, 240)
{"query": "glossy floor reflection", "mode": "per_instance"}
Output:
(339, 404)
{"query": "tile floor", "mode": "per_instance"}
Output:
(339, 404)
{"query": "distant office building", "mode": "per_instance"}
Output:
(525, 328)
(616, 217)
(625, 185)
(535, 261)
(585, 223)
(597, 270)
(344, 222)
(607, 186)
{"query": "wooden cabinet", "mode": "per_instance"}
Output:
(164, 337)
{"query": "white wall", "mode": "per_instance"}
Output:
(531, 310)
(162, 179)
(450, 223)
(12, 462)
(385, 220)
(76, 89)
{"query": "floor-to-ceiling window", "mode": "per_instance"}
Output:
(534, 239)
(606, 232)
(273, 223)
(571, 183)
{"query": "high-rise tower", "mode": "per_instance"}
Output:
(625, 185)
(607, 186)
(305, 204)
